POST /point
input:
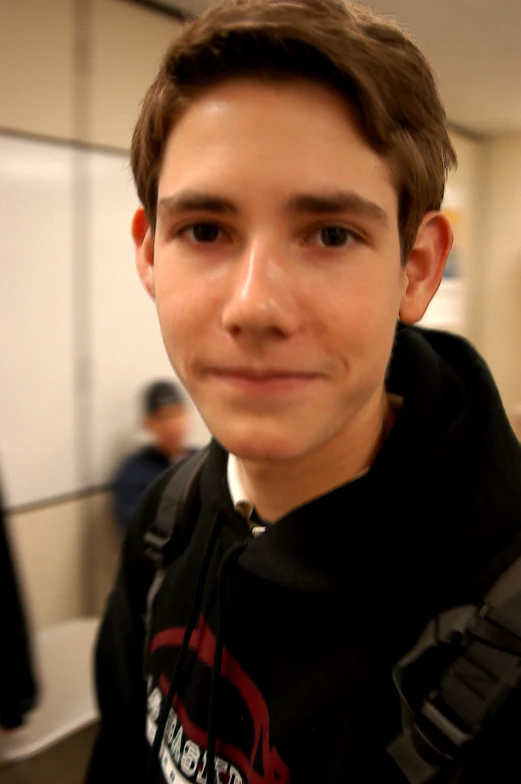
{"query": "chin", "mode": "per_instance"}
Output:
(261, 447)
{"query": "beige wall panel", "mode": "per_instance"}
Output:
(49, 548)
(37, 66)
(127, 45)
(501, 294)
(67, 556)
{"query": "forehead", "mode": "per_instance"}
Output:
(288, 134)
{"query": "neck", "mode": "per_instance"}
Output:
(277, 487)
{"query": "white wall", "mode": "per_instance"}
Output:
(67, 551)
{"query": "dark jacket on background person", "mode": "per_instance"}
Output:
(310, 616)
(17, 681)
(136, 473)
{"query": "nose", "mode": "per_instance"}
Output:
(262, 296)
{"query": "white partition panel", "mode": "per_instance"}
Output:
(37, 432)
(79, 335)
(127, 348)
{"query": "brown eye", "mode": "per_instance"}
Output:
(205, 232)
(334, 236)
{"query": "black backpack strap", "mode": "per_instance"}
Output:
(170, 530)
(172, 520)
(441, 722)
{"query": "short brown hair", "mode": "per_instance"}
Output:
(369, 60)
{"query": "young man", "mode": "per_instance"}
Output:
(165, 418)
(291, 158)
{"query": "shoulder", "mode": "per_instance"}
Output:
(142, 461)
(158, 493)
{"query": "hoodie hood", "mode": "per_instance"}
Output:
(447, 480)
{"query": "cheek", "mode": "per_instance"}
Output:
(188, 316)
(360, 325)
(184, 300)
(359, 309)
(178, 307)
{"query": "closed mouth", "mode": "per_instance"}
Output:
(265, 380)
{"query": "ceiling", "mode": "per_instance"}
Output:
(473, 45)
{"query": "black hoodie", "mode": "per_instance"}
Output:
(280, 647)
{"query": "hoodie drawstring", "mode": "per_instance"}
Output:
(231, 555)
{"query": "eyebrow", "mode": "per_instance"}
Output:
(337, 202)
(196, 201)
(304, 203)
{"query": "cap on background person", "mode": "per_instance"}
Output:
(161, 394)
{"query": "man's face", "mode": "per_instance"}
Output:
(276, 267)
(168, 425)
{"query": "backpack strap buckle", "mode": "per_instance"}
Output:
(439, 729)
(483, 668)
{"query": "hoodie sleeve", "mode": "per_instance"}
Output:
(120, 750)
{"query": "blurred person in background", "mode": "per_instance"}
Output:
(291, 158)
(165, 419)
(17, 680)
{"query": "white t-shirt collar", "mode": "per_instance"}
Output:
(238, 493)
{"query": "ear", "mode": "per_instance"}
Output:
(424, 267)
(144, 249)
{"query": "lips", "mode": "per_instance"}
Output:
(265, 380)
(261, 375)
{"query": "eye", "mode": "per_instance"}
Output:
(203, 233)
(334, 236)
